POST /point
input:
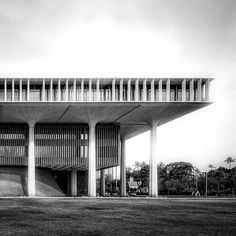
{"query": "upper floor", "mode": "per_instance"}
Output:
(104, 90)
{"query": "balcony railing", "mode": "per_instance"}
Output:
(104, 90)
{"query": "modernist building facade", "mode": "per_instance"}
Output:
(74, 127)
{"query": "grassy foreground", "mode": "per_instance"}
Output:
(47, 216)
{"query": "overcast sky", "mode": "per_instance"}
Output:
(149, 38)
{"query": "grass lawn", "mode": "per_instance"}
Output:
(83, 216)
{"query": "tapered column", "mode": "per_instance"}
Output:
(98, 91)
(184, 90)
(109, 173)
(59, 90)
(82, 90)
(20, 89)
(168, 90)
(51, 90)
(136, 90)
(123, 169)
(160, 90)
(199, 89)
(5, 90)
(144, 90)
(102, 183)
(153, 184)
(74, 183)
(13, 90)
(129, 90)
(43, 90)
(152, 90)
(31, 162)
(28, 90)
(92, 161)
(74, 90)
(113, 90)
(67, 90)
(90, 90)
(121, 90)
(207, 87)
(191, 87)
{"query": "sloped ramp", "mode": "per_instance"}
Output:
(13, 182)
(46, 185)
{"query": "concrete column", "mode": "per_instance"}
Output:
(74, 90)
(191, 87)
(110, 173)
(82, 90)
(90, 90)
(160, 90)
(113, 90)
(136, 90)
(144, 90)
(114, 175)
(13, 90)
(153, 184)
(51, 90)
(43, 90)
(67, 90)
(31, 162)
(59, 91)
(92, 161)
(102, 183)
(199, 89)
(184, 90)
(168, 90)
(129, 90)
(152, 90)
(74, 183)
(28, 90)
(98, 90)
(121, 90)
(123, 169)
(207, 87)
(20, 89)
(5, 90)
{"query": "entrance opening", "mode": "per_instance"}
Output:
(63, 180)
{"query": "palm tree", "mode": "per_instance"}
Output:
(229, 160)
(211, 166)
(218, 175)
(136, 165)
(161, 165)
(142, 164)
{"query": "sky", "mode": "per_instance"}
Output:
(135, 38)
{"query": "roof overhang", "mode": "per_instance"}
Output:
(134, 117)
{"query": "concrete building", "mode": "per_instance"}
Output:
(55, 133)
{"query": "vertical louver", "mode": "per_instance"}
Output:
(107, 145)
(61, 145)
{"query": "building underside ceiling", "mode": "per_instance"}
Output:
(134, 117)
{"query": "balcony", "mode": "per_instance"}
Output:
(104, 90)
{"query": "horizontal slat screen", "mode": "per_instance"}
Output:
(61, 144)
(107, 145)
(13, 144)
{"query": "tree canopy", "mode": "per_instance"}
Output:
(183, 178)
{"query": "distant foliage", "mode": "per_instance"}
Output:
(182, 178)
